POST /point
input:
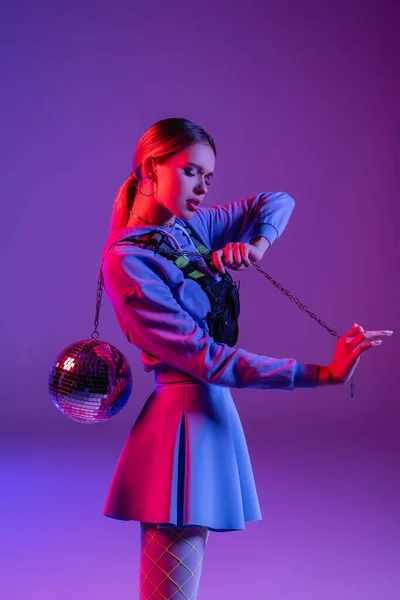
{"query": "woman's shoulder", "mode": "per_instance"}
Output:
(126, 261)
(125, 242)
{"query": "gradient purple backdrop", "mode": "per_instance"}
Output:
(299, 96)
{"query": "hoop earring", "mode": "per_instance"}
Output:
(137, 185)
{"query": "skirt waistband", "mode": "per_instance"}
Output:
(173, 376)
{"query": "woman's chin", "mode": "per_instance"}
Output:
(186, 215)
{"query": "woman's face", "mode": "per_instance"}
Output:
(185, 176)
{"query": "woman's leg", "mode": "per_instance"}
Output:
(171, 561)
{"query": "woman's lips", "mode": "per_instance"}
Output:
(191, 205)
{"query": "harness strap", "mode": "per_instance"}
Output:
(157, 240)
(223, 295)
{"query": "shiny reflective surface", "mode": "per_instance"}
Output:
(90, 381)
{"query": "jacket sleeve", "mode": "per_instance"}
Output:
(154, 321)
(267, 215)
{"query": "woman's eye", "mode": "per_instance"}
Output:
(191, 174)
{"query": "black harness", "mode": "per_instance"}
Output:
(223, 295)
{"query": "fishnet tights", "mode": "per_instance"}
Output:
(171, 561)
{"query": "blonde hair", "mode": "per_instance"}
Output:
(161, 140)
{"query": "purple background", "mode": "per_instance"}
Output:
(299, 96)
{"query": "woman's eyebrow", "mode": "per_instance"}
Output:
(199, 167)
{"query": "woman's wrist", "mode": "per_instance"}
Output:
(324, 376)
(260, 242)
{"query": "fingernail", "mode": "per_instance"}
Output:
(377, 342)
(387, 331)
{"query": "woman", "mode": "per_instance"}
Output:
(185, 468)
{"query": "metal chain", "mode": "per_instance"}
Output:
(99, 293)
(305, 309)
(296, 301)
(176, 253)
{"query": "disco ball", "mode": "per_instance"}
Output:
(90, 381)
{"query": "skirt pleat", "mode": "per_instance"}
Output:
(185, 461)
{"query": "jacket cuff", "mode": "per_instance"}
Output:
(265, 230)
(305, 376)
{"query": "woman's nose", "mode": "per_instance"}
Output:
(202, 188)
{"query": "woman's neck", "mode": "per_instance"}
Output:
(154, 214)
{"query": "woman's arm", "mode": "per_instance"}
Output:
(154, 322)
(266, 215)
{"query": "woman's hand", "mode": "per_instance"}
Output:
(237, 256)
(347, 353)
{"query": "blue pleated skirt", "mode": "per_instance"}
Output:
(185, 461)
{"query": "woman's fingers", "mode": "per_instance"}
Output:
(240, 259)
(245, 250)
(365, 346)
(368, 336)
(354, 330)
(234, 255)
(237, 258)
(217, 260)
(349, 348)
(228, 254)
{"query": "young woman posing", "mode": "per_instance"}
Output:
(185, 468)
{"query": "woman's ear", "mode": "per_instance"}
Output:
(148, 168)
